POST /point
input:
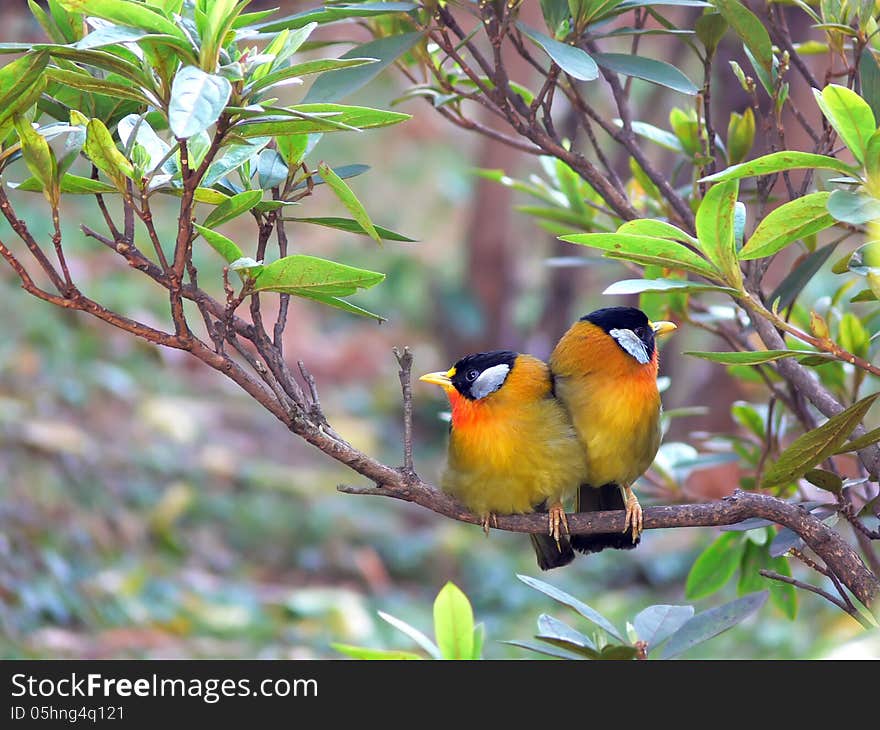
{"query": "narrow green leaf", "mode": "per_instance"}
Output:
(715, 229)
(19, 75)
(657, 229)
(547, 650)
(552, 630)
(332, 13)
(816, 445)
(872, 437)
(86, 82)
(658, 136)
(579, 606)
(637, 286)
(850, 116)
(778, 162)
(827, 480)
(648, 69)
(707, 624)
(750, 30)
(335, 117)
(352, 226)
(101, 150)
(715, 566)
(226, 247)
(362, 652)
(293, 274)
(293, 74)
(576, 62)
(337, 303)
(853, 207)
(793, 284)
(646, 249)
(655, 624)
(125, 12)
(339, 84)
(197, 101)
(454, 623)
(233, 207)
(788, 223)
(754, 358)
(39, 158)
(349, 200)
(70, 184)
(869, 74)
(413, 633)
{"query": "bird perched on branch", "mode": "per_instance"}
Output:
(512, 447)
(605, 374)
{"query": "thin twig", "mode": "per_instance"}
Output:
(405, 361)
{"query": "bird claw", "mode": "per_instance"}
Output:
(493, 518)
(556, 517)
(634, 518)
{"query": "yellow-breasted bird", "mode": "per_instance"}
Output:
(512, 448)
(605, 374)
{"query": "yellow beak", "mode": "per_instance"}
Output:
(663, 328)
(444, 380)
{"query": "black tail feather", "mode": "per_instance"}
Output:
(592, 499)
(550, 555)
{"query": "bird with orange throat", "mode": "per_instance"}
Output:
(512, 447)
(604, 370)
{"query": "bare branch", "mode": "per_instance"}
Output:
(405, 361)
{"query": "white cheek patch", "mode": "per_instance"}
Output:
(630, 342)
(490, 380)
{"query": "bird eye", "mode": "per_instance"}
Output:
(471, 375)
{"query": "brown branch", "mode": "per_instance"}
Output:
(848, 609)
(405, 361)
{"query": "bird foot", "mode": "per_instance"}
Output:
(493, 518)
(634, 517)
(557, 518)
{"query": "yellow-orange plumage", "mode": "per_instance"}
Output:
(514, 449)
(612, 400)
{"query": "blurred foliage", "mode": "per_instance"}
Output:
(149, 508)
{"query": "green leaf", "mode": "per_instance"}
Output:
(362, 652)
(335, 117)
(715, 566)
(750, 30)
(756, 357)
(854, 208)
(637, 286)
(86, 82)
(869, 74)
(740, 135)
(646, 250)
(852, 335)
(18, 76)
(352, 226)
(338, 303)
(110, 35)
(454, 623)
(788, 223)
(413, 633)
(657, 229)
(548, 650)
(567, 600)
(479, 636)
(332, 13)
(125, 12)
(558, 633)
(300, 273)
(656, 135)
(715, 229)
(754, 558)
(793, 284)
(39, 158)
(233, 207)
(349, 200)
(576, 62)
(865, 260)
(827, 480)
(872, 437)
(293, 74)
(271, 169)
(101, 150)
(817, 445)
(648, 69)
(850, 116)
(339, 84)
(655, 624)
(197, 101)
(707, 624)
(70, 184)
(778, 162)
(226, 247)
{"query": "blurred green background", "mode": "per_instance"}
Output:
(148, 508)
